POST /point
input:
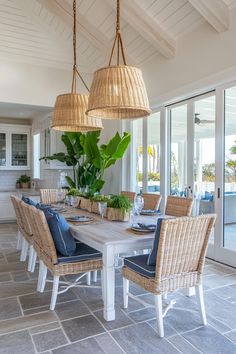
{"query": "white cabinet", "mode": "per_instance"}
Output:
(6, 208)
(52, 145)
(14, 147)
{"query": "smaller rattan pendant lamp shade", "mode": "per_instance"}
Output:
(118, 92)
(70, 108)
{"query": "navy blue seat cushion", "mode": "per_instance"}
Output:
(28, 201)
(151, 261)
(139, 265)
(83, 252)
(61, 234)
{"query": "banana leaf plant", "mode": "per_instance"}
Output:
(89, 160)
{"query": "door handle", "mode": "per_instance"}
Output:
(218, 193)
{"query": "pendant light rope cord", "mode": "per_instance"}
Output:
(118, 39)
(75, 69)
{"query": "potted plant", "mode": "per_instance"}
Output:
(118, 208)
(24, 181)
(18, 185)
(89, 159)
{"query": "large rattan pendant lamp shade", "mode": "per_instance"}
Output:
(70, 108)
(118, 91)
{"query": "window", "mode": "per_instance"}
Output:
(36, 155)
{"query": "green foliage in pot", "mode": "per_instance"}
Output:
(24, 179)
(88, 159)
(119, 202)
(100, 198)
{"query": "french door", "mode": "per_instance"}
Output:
(202, 163)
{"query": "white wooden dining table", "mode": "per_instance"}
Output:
(111, 238)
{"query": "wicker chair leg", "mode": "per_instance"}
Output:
(41, 265)
(95, 276)
(158, 306)
(201, 304)
(54, 292)
(125, 292)
(33, 262)
(19, 241)
(31, 254)
(24, 250)
(88, 278)
(43, 278)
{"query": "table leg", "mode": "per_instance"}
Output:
(109, 283)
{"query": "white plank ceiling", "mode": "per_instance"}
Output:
(40, 31)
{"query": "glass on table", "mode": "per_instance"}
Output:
(74, 201)
(102, 207)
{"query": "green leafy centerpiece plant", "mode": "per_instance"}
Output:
(90, 160)
(119, 208)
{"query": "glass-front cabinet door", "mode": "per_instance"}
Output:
(3, 146)
(19, 150)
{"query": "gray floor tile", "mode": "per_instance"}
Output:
(49, 340)
(209, 341)
(24, 322)
(20, 276)
(142, 314)
(42, 299)
(183, 345)
(221, 309)
(82, 327)
(169, 330)
(44, 328)
(227, 293)
(71, 309)
(92, 297)
(9, 308)
(231, 335)
(16, 289)
(5, 277)
(218, 325)
(101, 344)
(16, 343)
(121, 320)
(142, 339)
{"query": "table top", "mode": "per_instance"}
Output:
(109, 232)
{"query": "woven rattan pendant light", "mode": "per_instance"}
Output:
(70, 108)
(118, 91)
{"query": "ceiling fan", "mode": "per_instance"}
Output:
(199, 121)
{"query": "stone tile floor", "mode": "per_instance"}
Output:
(27, 325)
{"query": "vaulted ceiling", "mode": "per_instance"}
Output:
(40, 31)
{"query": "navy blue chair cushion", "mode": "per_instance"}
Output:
(139, 265)
(61, 234)
(151, 261)
(28, 201)
(82, 252)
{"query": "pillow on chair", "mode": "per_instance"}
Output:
(61, 234)
(28, 201)
(151, 261)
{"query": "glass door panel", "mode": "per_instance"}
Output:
(138, 136)
(204, 157)
(178, 163)
(229, 240)
(153, 151)
(19, 150)
(2, 149)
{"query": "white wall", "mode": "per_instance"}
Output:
(204, 58)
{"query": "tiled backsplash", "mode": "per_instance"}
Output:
(8, 179)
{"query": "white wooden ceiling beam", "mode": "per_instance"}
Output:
(215, 12)
(147, 27)
(63, 10)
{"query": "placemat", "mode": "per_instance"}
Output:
(139, 233)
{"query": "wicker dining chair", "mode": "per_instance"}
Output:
(48, 196)
(129, 195)
(179, 262)
(151, 201)
(19, 222)
(25, 230)
(178, 206)
(49, 259)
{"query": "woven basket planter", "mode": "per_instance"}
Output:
(114, 214)
(69, 114)
(118, 92)
(85, 204)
